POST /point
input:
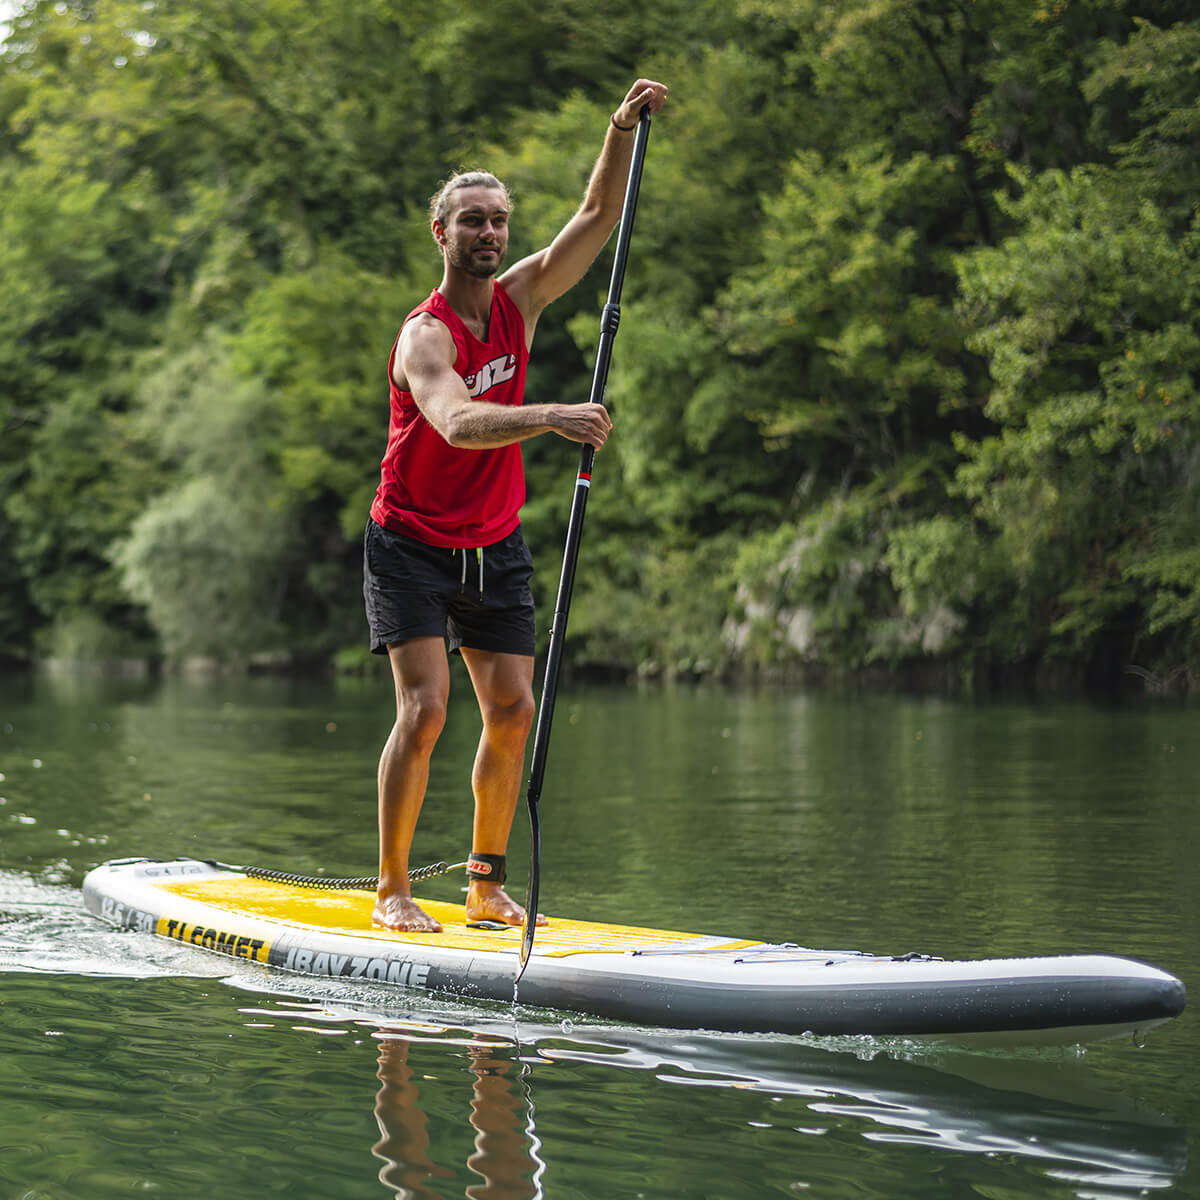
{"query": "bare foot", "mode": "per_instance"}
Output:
(401, 912)
(490, 902)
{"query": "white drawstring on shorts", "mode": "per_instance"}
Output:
(463, 578)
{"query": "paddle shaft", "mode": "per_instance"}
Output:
(609, 322)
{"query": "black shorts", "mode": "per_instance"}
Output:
(476, 598)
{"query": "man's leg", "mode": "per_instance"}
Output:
(504, 688)
(422, 678)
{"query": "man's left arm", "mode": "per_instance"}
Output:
(545, 275)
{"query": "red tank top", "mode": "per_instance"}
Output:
(440, 494)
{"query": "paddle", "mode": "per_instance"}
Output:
(609, 321)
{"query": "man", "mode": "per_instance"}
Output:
(444, 560)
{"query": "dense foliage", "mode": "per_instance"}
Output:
(907, 372)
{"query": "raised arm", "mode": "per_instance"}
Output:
(545, 275)
(424, 366)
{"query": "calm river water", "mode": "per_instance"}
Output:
(132, 1066)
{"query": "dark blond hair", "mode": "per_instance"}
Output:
(439, 202)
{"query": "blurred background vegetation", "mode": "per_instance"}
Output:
(907, 374)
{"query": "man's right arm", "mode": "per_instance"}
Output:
(424, 366)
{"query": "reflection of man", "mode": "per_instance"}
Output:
(503, 1158)
(443, 553)
(403, 1127)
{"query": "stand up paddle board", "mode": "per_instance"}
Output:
(645, 976)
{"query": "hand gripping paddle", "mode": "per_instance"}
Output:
(609, 321)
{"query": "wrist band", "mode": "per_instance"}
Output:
(622, 128)
(489, 867)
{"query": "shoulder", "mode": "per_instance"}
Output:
(425, 330)
(425, 344)
(432, 313)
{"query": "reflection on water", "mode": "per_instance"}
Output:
(1046, 1108)
(506, 1151)
(403, 1142)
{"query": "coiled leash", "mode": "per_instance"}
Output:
(363, 883)
(478, 866)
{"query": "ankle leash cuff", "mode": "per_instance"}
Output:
(489, 867)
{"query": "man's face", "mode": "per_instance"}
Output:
(475, 235)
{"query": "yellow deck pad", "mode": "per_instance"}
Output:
(349, 913)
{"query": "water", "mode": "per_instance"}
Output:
(132, 1065)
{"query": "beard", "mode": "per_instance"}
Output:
(465, 258)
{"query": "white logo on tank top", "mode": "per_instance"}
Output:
(499, 370)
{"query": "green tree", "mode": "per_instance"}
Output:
(1087, 320)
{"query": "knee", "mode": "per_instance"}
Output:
(420, 717)
(512, 717)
